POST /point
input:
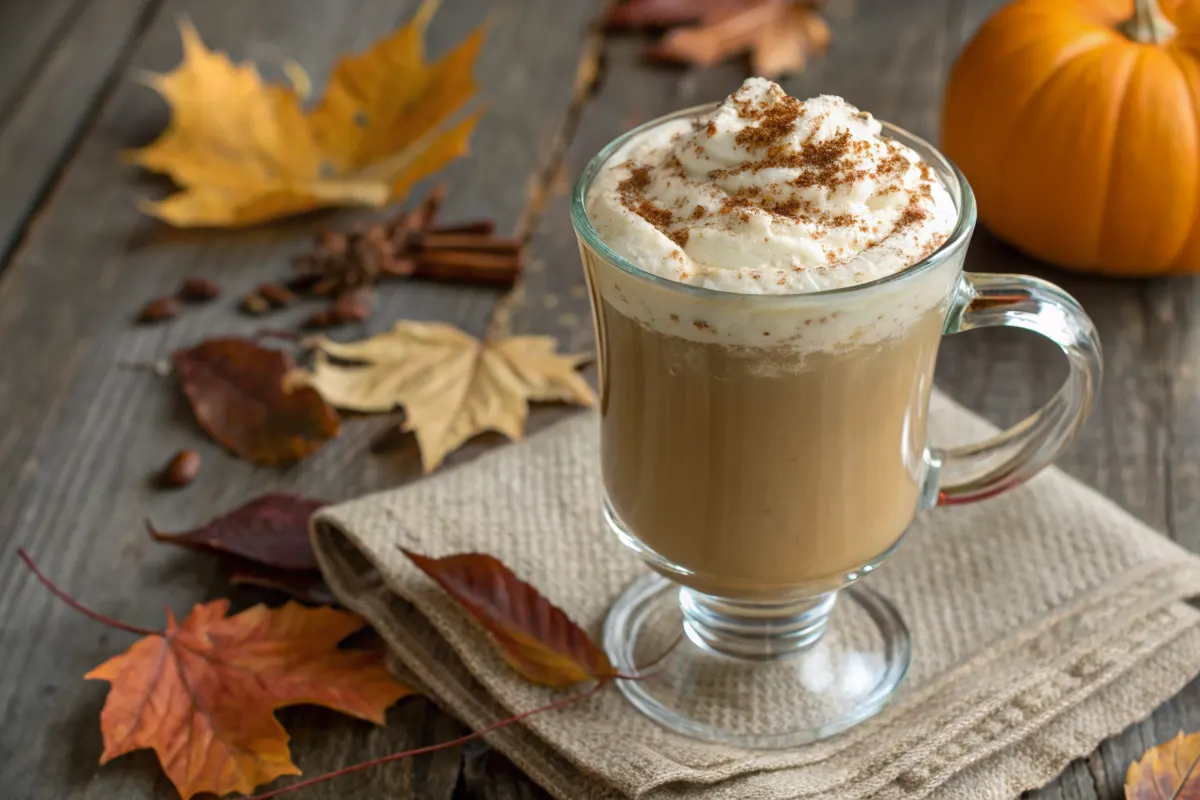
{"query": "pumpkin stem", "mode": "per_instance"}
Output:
(1148, 25)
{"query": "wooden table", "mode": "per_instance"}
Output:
(81, 433)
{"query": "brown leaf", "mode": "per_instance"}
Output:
(1167, 771)
(271, 530)
(715, 41)
(535, 637)
(786, 46)
(452, 385)
(235, 388)
(203, 694)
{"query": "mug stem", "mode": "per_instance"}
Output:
(754, 630)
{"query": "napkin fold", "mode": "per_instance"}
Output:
(1043, 621)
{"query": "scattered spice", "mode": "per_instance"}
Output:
(162, 308)
(351, 307)
(199, 290)
(255, 304)
(276, 296)
(181, 470)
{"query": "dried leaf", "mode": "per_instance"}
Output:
(236, 391)
(307, 587)
(786, 46)
(203, 694)
(780, 35)
(713, 42)
(271, 530)
(1167, 771)
(535, 637)
(244, 152)
(452, 386)
(665, 13)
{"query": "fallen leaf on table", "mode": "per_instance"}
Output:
(203, 694)
(245, 152)
(307, 587)
(779, 35)
(271, 530)
(536, 638)
(785, 47)
(235, 388)
(1167, 771)
(667, 13)
(452, 385)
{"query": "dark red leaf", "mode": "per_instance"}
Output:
(271, 530)
(536, 638)
(307, 587)
(236, 390)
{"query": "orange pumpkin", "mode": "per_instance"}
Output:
(1077, 122)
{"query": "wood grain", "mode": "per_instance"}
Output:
(83, 433)
(57, 65)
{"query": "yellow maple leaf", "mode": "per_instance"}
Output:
(245, 152)
(452, 386)
(1168, 770)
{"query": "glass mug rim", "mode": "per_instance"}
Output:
(959, 236)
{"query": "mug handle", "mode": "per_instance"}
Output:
(978, 471)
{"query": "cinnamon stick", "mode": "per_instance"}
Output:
(468, 266)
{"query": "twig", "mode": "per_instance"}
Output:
(160, 367)
(78, 606)
(557, 704)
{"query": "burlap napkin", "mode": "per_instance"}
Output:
(1043, 621)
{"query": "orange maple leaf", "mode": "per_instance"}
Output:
(245, 152)
(203, 694)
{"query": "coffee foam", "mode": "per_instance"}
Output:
(765, 200)
(793, 324)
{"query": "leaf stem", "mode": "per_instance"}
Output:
(644, 670)
(1183, 782)
(78, 606)
(557, 704)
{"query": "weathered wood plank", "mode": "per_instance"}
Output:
(57, 62)
(83, 434)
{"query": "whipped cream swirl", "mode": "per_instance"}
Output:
(771, 195)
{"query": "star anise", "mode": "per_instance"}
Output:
(409, 245)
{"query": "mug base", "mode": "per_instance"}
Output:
(843, 677)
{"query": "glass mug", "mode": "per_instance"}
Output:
(762, 482)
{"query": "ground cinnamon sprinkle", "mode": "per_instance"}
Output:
(912, 215)
(698, 213)
(658, 217)
(774, 123)
(679, 237)
(639, 179)
(711, 130)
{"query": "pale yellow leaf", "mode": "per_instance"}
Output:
(452, 386)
